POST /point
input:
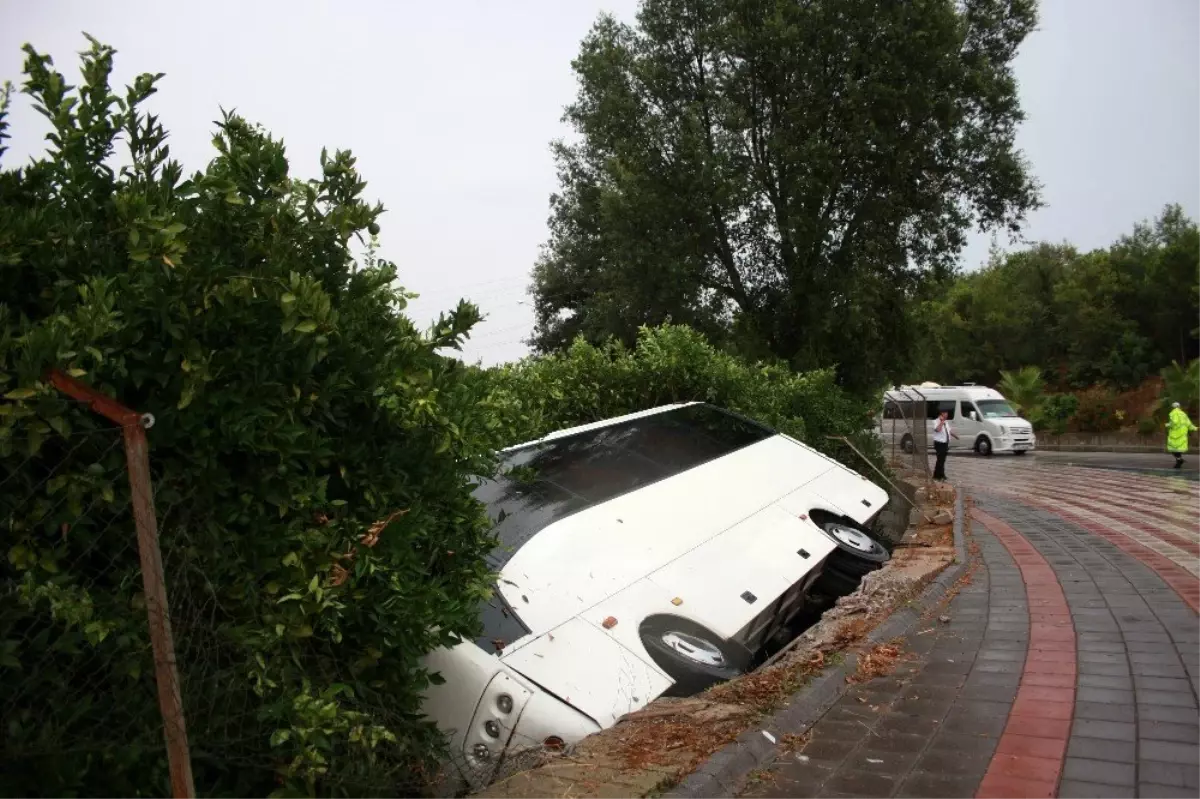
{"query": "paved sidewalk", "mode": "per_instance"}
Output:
(1068, 667)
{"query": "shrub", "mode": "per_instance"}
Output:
(1097, 411)
(1055, 412)
(296, 407)
(674, 363)
(1146, 426)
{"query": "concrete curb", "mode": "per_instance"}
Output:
(725, 772)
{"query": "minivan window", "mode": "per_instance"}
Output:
(968, 409)
(935, 407)
(993, 409)
(545, 482)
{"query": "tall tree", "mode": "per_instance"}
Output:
(791, 170)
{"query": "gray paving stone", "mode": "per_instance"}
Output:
(1105, 711)
(1159, 670)
(1166, 731)
(1104, 669)
(1100, 749)
(1178, 715)
(1101, 681)
(1168, 698)
(1164, 791)
(1078, 789)
(978, 718)
(1177, 774)
(990, 693)
(858, 782)
(1103, 771)
(1169, 752)
(1115, 647)
(1110, 696)
(897, 741)
(978, 677)
(1175, 684)
(939, 785)
(1100, 728)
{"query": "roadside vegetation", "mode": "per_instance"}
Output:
(736, 224)
(310, 455)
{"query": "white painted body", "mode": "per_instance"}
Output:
(1003, 434)
(703, 537)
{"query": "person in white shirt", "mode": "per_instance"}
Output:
(942, 431)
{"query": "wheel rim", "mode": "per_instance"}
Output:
(694, 649)
(855, 539)
(984, 446)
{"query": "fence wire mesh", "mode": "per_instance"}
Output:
(904, 430)
(78, 694)
(79, 699)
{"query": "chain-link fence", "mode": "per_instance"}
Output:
(89, 684)
(123, 658)
(904, 430)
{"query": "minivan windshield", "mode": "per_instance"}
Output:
(542, 483)
(993, 409)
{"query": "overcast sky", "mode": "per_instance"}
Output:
(450, 108)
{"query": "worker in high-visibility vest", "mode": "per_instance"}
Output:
(1178, 427)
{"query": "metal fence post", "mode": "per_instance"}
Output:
(166, 674)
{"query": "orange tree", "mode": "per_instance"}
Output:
(310, 458)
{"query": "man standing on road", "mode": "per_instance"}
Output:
(1178, 427)
(941, 444)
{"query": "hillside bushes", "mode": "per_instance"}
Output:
(673, 363)
(310, 458)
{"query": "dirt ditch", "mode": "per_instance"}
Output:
(649, 751)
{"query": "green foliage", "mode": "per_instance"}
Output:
(1097, 411)
(1182, 385)
(782, 175)
(1112, 316)
(1054, 413)
(673, 363)
(310, 459)
(1023, 388)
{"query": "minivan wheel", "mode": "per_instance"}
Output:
(857, 553)
(906, 444)
(694, 656)
(983, 445)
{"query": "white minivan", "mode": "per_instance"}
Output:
(650, 554)
(981, 417)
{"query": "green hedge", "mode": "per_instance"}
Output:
(674, 363)
(297, 409)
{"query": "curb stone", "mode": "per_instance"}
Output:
(726, 771)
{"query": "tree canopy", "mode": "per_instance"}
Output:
(783, 176)
(1115, 315)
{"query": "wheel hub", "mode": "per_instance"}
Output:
(694, 649)
(855, 539)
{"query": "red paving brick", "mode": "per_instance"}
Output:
(1186, 584)
(1032, 746)
(1029, 757)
